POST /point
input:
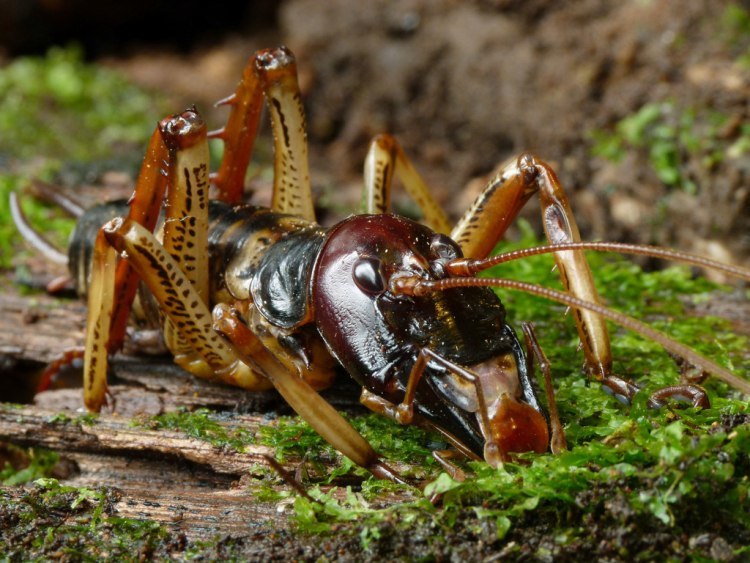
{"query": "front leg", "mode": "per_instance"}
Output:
(267, 356)
(497, 207)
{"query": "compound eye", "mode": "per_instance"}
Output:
(368, 275)
(442, 247)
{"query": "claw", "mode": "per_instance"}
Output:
(621, 389)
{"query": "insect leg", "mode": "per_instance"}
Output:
(384, 158)
(498, 205)
(303, 399)
(186, 213)
(558, 443)
(239, 134)
(211, 358)
(273, 73)
(291, 183)
(402, 413)
(145, 205)
(67, 358)
(443, 457)
(114, 284)
(185, 239)
(560, 227)
(101, 299)
(694, 394)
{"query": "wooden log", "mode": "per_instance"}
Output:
(117, 435)
(39, 327)
(161, 475)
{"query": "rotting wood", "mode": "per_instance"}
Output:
(185, 498)
(31, 426)
(39, 327)
(188, 485)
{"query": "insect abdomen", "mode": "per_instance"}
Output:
(243, 241)
(256, 254)
(81, 246)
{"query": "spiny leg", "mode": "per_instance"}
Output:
(67, 358)
(303, 399)
(560, 227)
(499, 204)
(238, 135)
(186, 218)
(145, 205)
(272, 72)
(386, 158)
(688, 390)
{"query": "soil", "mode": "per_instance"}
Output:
(466, 85)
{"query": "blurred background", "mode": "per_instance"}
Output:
(641, 105)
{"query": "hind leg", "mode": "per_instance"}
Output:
(271, 73)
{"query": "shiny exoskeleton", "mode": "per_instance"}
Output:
(287, 267)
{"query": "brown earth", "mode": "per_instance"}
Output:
(465, 85)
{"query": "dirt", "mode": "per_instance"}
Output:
(465, 85)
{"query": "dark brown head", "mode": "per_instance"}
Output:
(471, 389)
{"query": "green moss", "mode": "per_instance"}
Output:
(62, 117)
(735, 31)
(38, 463)
(59, 418)
(60, 107)
(75, 524)
(203, 425)
(668, 137)
(665, 466)
(293, 437)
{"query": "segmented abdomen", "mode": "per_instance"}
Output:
(81, 245)
(242, 241)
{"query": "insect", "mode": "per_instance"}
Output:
(265, 297)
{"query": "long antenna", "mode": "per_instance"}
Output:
(31, 236)
(468, 267)
(416, 286)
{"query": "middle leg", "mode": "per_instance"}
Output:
(487, 220)
(497, 207)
